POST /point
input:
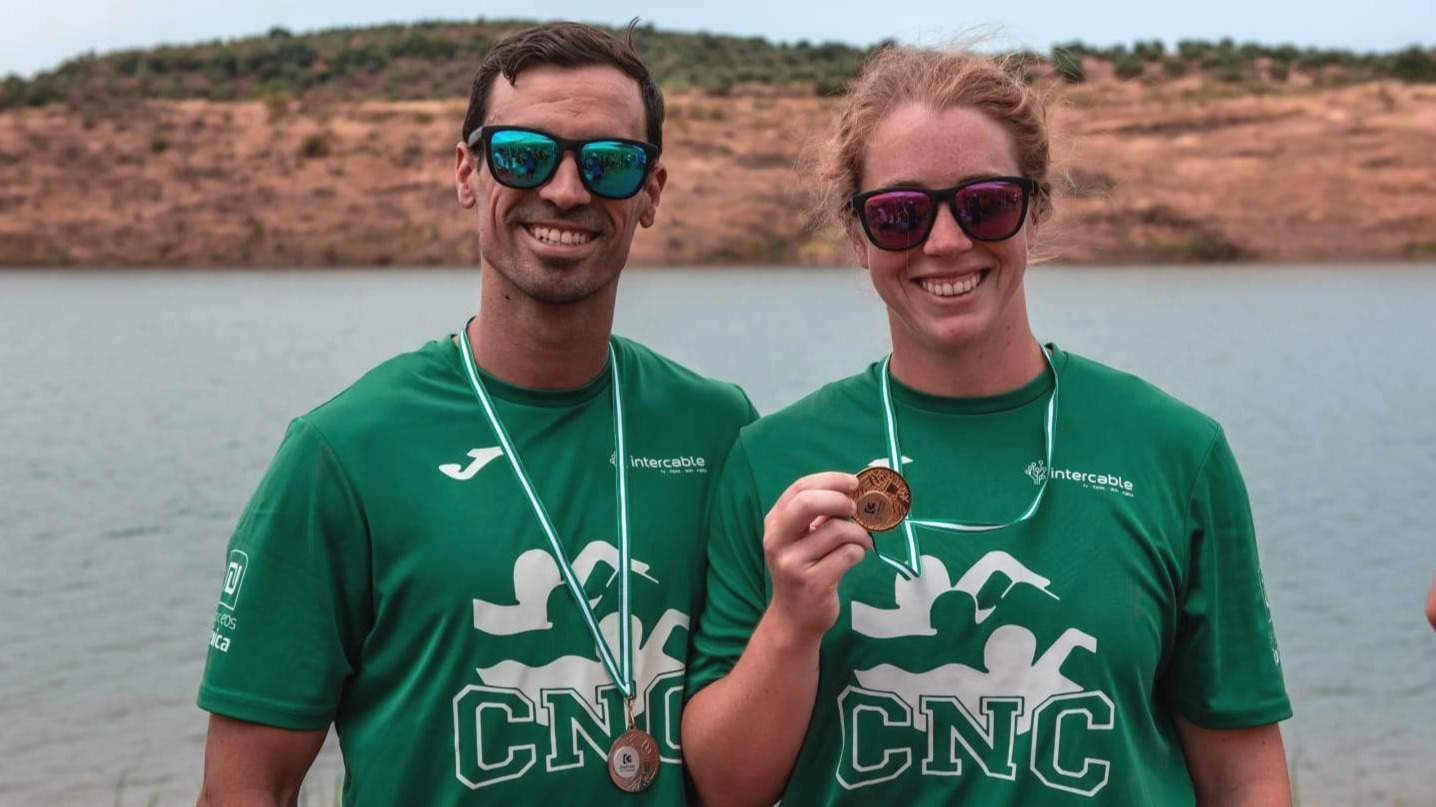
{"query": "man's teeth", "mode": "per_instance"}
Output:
(952, 288)
(553, 235)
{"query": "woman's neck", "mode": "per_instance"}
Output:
(981, 369)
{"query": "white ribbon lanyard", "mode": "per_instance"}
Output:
(620, 670)
(912, 568)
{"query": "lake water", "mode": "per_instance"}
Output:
(138, 410)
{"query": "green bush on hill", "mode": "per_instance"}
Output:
(1413, 64)
(1129, 66)
(432, 59)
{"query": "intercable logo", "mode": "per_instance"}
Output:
(673, 465)
(1038, 471)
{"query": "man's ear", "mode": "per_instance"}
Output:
(652, 190)
(464, 170)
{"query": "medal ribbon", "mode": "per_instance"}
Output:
(620, 669)
(912, 567)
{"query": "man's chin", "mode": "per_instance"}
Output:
(560, 284)
(559, 296)
(554, 279)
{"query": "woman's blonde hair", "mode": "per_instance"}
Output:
(940, 79)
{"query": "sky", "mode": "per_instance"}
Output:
(38, 36)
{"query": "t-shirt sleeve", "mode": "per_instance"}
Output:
(752, 411)
(736, 591)
(1225, 669)
(295, 602)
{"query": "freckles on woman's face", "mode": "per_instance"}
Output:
(951, 291)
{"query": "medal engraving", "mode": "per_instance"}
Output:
(883, 499)
(633, 761)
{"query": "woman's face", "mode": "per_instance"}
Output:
(950, 293)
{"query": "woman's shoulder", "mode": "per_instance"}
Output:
(836, 402)
(1097, 391)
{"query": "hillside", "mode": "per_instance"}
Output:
(1212, 153)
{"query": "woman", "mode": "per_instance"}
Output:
(1072, 612)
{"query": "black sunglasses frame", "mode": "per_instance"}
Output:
(485, 135)
(859, 202)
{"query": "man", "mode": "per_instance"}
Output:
(479, 562)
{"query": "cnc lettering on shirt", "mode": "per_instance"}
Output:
(970, 716)
(568, 709)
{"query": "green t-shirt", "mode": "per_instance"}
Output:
(1037, 664)
(390, 576)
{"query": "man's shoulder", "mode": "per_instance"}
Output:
(828, 408)
(396, 391)
(657, 374)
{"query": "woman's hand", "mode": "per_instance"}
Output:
(810, 542)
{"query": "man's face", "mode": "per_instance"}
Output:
(559, 243)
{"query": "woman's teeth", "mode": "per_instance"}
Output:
(952, 288)
(557, 237)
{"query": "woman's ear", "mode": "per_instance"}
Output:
(858, 240)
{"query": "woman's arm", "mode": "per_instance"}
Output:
(1236, 767)
(742, 733)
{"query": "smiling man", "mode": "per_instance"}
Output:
(479, 563)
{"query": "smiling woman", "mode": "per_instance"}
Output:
(1109, 642)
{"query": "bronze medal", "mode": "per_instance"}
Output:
(883, 499)
(633, 761)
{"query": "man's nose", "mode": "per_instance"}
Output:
(565, 190)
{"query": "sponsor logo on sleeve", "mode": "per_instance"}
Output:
(233, 578)
(225, 621)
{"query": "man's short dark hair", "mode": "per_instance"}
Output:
(564, 44)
